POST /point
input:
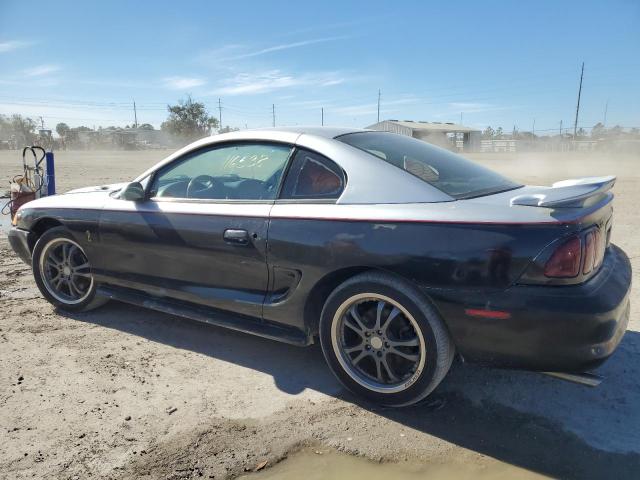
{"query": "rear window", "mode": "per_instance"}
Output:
(454, 175)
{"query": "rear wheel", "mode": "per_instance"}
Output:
(384, 340)
(63, 273)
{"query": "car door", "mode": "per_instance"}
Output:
(302, 250)
(200, 234)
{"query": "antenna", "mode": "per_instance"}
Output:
(378, 105)
(606, 107)
(322, 117)
(273, 113)
(219, 113)
(575, 124)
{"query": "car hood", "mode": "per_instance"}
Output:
(98, 188)
(86, 198)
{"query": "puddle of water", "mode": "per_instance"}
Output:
(309, 465)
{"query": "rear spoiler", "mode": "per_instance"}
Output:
(567, 193)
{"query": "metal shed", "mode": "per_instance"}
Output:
(447, 135)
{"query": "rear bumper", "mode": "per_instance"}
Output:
(556, 328)
(19, 241)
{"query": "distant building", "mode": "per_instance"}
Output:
(447, 135)
(498, 145)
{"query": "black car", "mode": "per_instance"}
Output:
(394, 253)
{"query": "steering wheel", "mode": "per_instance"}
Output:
(200, 184)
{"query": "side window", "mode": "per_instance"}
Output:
(247, 171)
(313, 176)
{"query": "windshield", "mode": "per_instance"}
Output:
(454, 175)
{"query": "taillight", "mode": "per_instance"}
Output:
(601, 245)
(589, 251)
(565, 261)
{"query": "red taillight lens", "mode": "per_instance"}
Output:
(589, 252)
(565, 261)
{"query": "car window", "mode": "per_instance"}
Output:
(454, 175)
(313, 176)
(250, 171)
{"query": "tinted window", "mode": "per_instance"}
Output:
(238, 172)
(451, 173)
(313, 176)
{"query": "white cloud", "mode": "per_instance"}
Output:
(251, 84)
(12, 45)
(473, 107)
(370, 108)
(183, 83)
(287, 46)
(216, 57)
(41, 70)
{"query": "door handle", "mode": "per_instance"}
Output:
(236, 237)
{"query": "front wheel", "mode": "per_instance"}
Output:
(63, 273)
(384, 340)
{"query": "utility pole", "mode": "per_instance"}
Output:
(575, 124)
(220, 113)
(135, 114)
(533, 130)
(273, 113)
(561, 129)
(42, 123)
(606, 107)
(461, 118)
(378, 105)
(322, 116)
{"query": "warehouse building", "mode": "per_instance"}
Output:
(447, 135)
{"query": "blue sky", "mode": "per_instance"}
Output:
(496, 63)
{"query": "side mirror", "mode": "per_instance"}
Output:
(133, 192)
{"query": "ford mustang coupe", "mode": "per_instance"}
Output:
(394, 253)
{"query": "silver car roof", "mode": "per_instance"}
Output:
(370, 180)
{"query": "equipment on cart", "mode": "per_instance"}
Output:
(34, 182)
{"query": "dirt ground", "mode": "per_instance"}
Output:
(122, 392)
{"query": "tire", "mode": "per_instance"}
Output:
(77, 288)
(397, 364)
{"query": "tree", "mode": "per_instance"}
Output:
(228, 129)
(499, 132)
(488, 133)
(63, 130)
(5, 128)
(616, 131)
(146, 126)
(23, 129)
(598, 130)
(189, 120)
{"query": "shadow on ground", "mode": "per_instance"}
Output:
(526, 419)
